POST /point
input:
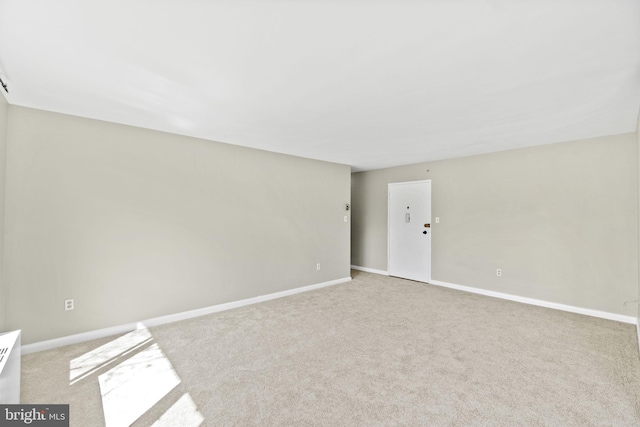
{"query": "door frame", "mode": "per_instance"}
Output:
(389, 222)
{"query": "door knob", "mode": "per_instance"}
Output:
(424, 232)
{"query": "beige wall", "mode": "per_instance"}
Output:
(135, 224)
(560, 221)
(3, 157)
(638, 186)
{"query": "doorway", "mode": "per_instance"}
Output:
(409, 216)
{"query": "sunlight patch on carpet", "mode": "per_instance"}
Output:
(183, 413)
(102, 355)
(135, 386)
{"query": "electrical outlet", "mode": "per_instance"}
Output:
(318, 266)
(499, 272)
(68, 304)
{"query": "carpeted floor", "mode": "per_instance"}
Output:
(375, 351)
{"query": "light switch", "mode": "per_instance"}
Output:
(437, 219)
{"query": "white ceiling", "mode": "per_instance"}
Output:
(369, 83)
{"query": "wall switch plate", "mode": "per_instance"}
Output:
(68, 304)
(318, 266)
(437, 219)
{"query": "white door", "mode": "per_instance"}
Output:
(410, 230)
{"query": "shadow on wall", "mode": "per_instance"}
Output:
(141, 377)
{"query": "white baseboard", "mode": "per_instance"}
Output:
(121, 329)
(370, 270)
(540, 303)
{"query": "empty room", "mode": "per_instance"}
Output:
(279, 213)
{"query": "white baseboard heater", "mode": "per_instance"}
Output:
(10, 368)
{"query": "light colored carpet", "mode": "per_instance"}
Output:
(375, 351)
